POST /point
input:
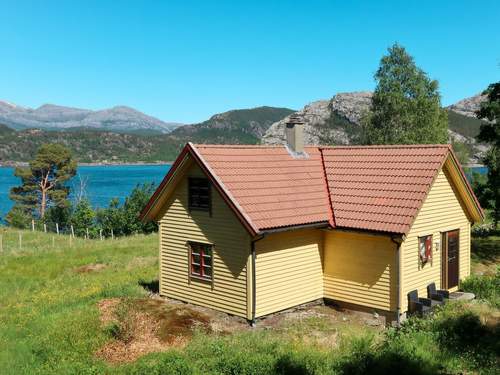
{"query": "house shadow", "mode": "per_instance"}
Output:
(225, 241)
(360, 363)
(466, 332)
(152, 286)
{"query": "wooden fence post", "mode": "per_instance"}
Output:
(45, 227)
(112, 235)
(32, 225)
(87, 229)
(100, 233)
(57, 228)
(72, 231)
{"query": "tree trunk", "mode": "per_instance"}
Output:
(43, 203)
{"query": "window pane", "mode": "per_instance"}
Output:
(207, 251)
(207, 271)
(195, 269)
(195, 258)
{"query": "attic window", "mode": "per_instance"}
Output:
(199, 194)
(201, 260)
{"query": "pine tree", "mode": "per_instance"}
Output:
(42, 184)
(406, 105)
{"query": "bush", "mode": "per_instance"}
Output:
(83, 219)
(484, 287)
(483, 230)
(124, 220)
(18, 217)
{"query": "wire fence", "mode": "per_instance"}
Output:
(42, 236)
(92, 232)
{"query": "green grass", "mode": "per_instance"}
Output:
(49, 323)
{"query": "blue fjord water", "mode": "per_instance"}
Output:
(102, 182)
(106, 182)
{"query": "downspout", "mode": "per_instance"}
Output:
(254, 282)
(398, 241)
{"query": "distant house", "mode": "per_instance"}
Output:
(252, 230)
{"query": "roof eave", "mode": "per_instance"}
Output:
(467, 185)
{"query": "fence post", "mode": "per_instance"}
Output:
(112, 235)
(32, 225)
(57, 228)
(45, 227)
(72, 231)
(87, 229)
(100, 233)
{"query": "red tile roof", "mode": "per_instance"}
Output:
(271, 187)
(380, 188)
(376, 188)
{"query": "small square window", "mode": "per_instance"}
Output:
(425, 248)
(199, 194)
(201, 260)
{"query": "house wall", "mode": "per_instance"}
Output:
(231, 241)
(442, 211)
(360, 269)
(288, 270)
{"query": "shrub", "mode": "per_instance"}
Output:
(484, 287)
(483, 230)
(124, 219)
(18, 217)
(83, 218)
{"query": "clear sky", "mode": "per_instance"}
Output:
(186, 60)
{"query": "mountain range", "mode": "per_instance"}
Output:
(122, 134)
(56, 117)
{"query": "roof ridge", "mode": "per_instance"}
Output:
(435, 145)
(212, 145)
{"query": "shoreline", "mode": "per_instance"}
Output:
(13, 164)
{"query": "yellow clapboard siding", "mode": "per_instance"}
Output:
(442, 211)
(301, 251)
(360, 269)
(228, 291)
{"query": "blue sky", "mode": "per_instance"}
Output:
(186, 60)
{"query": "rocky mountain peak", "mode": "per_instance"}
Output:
(468, 106)
(322, 119)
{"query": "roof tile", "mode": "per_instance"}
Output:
(378, 188)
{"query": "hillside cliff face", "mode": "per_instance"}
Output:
(338, 122)
(241, 126)
(468, 106)
(334, 121)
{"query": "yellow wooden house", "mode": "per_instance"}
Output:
(253, 230)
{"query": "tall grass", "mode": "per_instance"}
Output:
(49, 323)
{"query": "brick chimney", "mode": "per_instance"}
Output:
(294, 134)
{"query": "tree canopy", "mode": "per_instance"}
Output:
(42, 183)
(406, 104)
(490, 133)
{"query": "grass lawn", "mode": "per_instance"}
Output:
(67, 308)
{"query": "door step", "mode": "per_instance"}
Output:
(462, 296)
